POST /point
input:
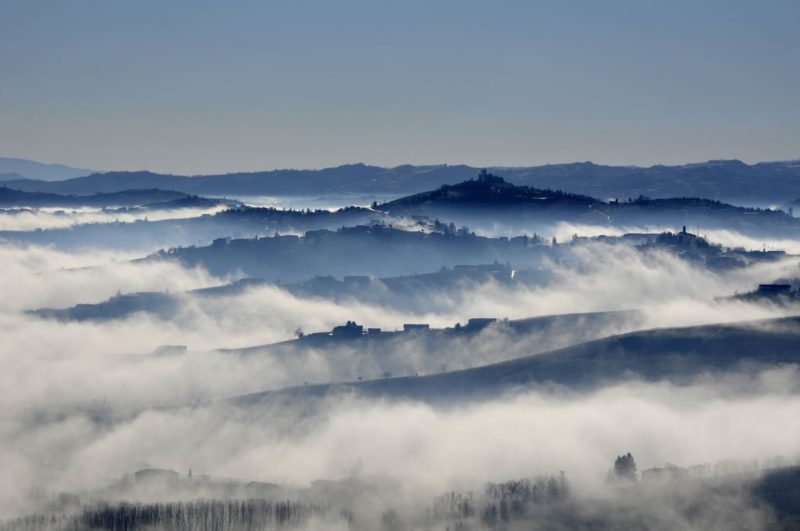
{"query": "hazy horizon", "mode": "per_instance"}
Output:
(509, 265)
(421, 164)
(198, 88)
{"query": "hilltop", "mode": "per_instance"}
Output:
(490, 200)
(489, 190)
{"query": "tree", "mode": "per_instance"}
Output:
(490, 515)
(624, 468)
(504, 514)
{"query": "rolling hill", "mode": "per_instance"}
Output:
(125, 198)
(489, 201)
(728, 180)
(679, 355)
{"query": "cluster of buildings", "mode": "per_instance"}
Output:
(777, 293)
(352, 330)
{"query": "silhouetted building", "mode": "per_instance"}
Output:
(373, 331)
(488, 178)
(413, 327)
(351, 329)
(479, 323)
(683, 240)
(666, 473)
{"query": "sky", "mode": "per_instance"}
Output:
(203, 86)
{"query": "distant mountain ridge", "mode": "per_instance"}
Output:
(12, 169)
(726, 180)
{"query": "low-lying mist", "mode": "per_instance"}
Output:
(84, 403)
(25, 219)
(565, 231)
(50, 363)
(420, 449)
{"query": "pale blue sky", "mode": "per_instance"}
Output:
(208, 86)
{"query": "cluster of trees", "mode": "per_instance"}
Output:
(451, 506)
(500, 504)
(450, 229)
(514, 500)
(624, 471)
(202, 515)
(497, 506)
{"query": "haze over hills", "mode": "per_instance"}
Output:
(380, 251)
(125, 198)
(349, 266)
(489, 201)
(118, 368)
(15, 169)
(147, 235)
(678, 355)
(481, 205)
(239, 279)
(405, 292)
(726, 180)
(383, 251)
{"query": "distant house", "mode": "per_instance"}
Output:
(487, 178)
(683, 240)
(351, 329)
(413, 327)
(479, 323)
(663, 474)
(373, 331)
